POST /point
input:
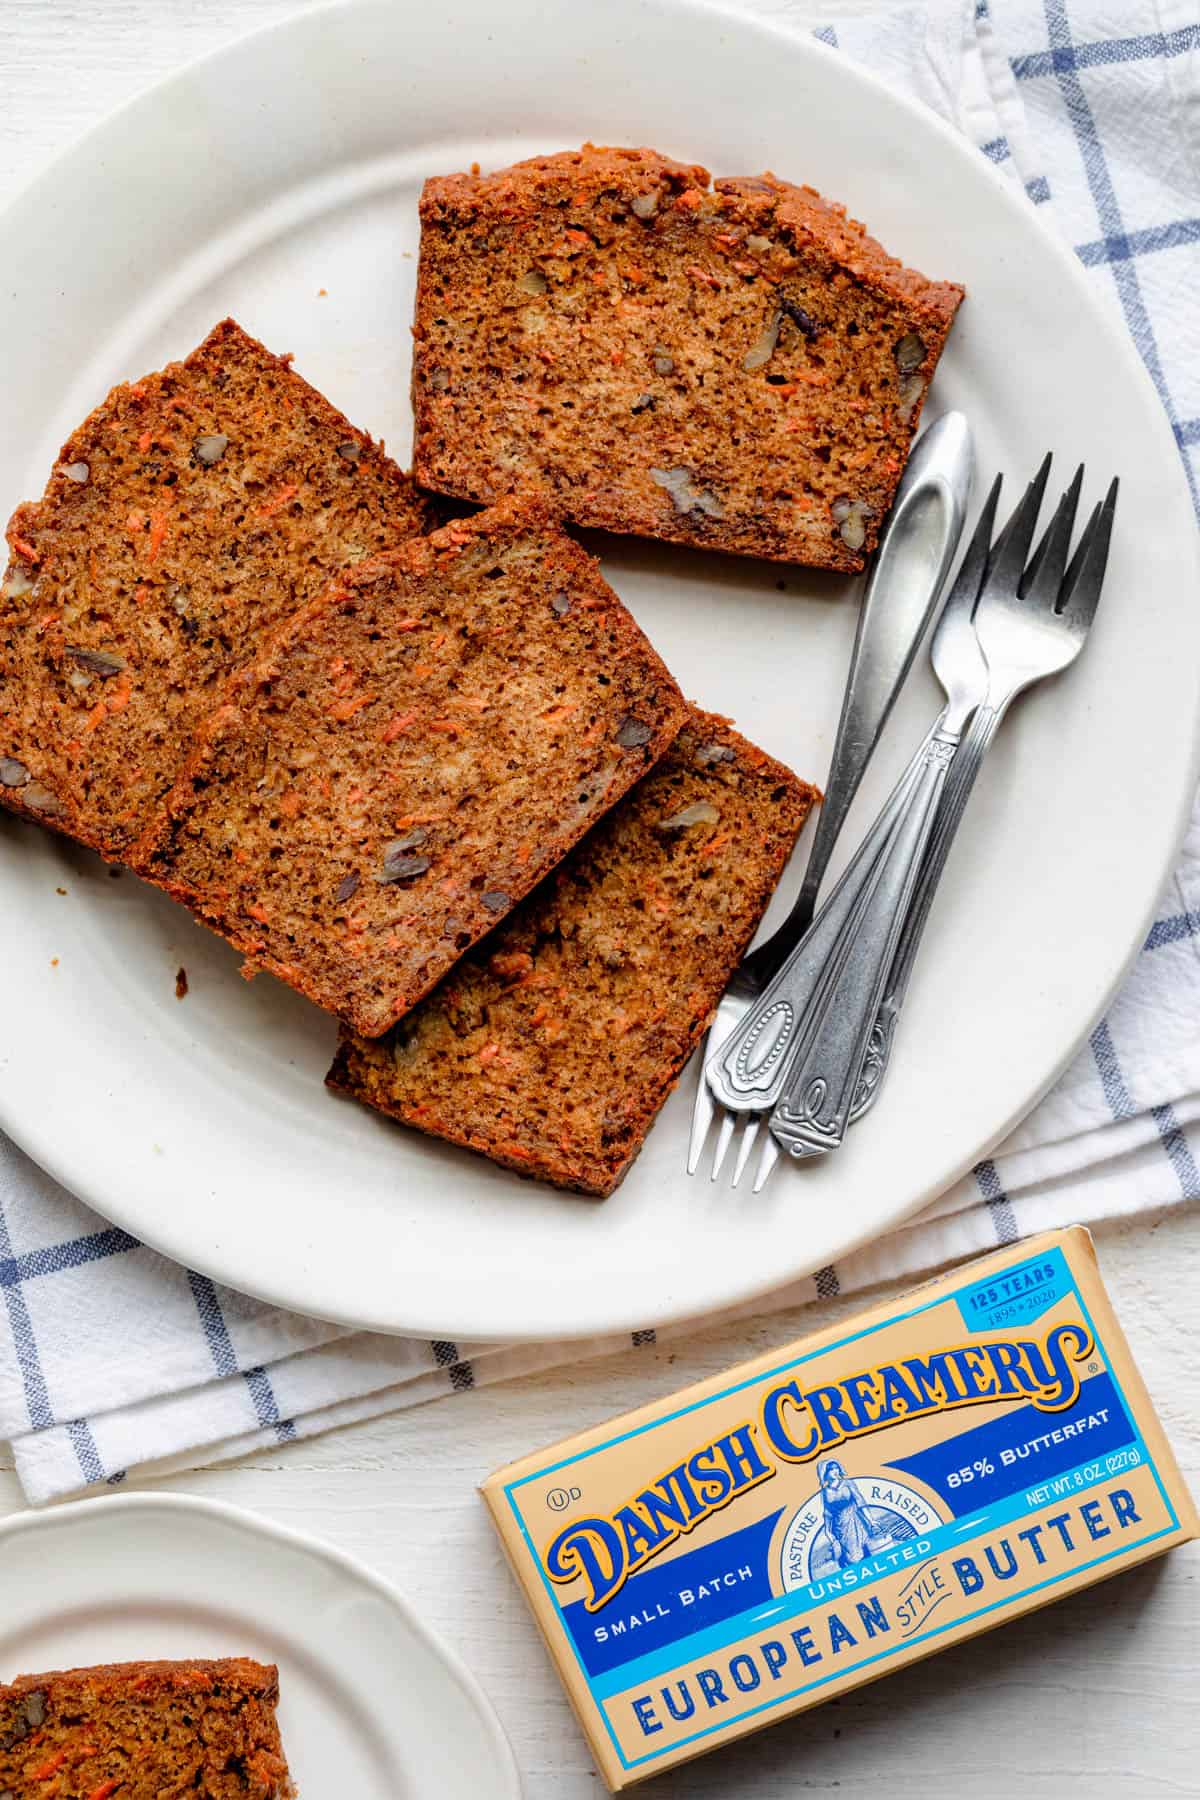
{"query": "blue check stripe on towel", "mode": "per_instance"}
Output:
(112, 1357)
(1067, 58)
(216, 1332)
(1117, 246)
(91, 1311)
(73, 1253)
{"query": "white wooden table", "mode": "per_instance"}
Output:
(1092, 1699)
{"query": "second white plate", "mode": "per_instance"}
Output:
(371, 1705)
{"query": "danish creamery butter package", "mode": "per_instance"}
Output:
(827, 1513)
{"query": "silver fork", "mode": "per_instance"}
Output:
(910, 565)
(1031, 621)
(750, 1067)
(1078, 593)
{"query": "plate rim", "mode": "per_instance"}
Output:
(258, 1524)
(217, 1263)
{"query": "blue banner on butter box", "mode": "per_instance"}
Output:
(676, 1599)
(1021, 1449)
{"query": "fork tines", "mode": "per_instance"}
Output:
(1084, 578)
(1068, 586)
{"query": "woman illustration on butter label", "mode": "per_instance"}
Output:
(847, 1519)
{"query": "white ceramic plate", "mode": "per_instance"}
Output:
(371, 1705)
(292, 163)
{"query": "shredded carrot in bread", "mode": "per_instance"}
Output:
(341, 710)
(45, 1770)
(158, 532)
(279, 499)
(394, 727)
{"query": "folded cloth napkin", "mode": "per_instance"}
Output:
(115, 1358)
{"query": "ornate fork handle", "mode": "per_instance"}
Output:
(957, 792)
(747, 1070)
(822, 1078)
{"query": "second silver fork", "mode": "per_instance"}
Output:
(750, 1070)
(1029, 626)
(1030, 621)
(914, 555)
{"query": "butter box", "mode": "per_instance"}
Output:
(807, 1522)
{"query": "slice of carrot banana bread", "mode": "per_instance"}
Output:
(740, 369)
(190, 513)
(413, 752)
(553, 1044)
(138, 1731)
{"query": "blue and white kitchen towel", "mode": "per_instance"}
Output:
(113, 1359)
